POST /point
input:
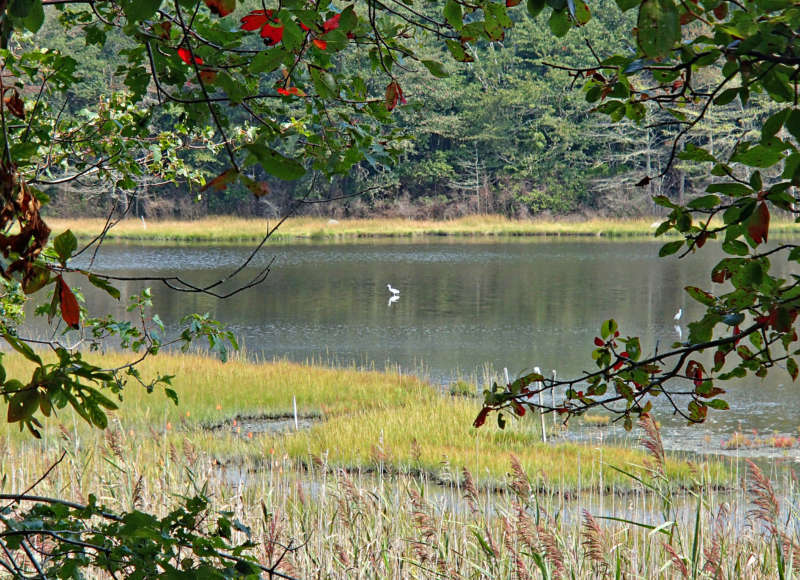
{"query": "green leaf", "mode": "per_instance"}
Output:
(267, 60)
(658, 27)
(729, 189)
(702, 330)
(608, 328)
(276, 164)
(582, 13)
(791, 368)
(35, 18)
(535, 7)
(104, 284)
(735, 247)
(759, 156)
(452, 13)
(559, 22)
(19, 8)
(694, 153)
(436, 68)
(726, 97)
(22, 348)
(137, 10)
(22, 405)
(718, 404)
(293, 35)
(701, 296)
(627, 4)
(670, 248)
(792, 124)
(457, 50)
(705, 202)
(65, 244)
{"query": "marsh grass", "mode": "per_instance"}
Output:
(361, 420)
(231, 229)
(395, 525)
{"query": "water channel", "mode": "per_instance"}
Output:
(466, 309)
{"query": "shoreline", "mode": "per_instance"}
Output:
(232, 229)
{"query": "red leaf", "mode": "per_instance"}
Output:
(272, 34)
(394, 94)
(519, 409)
(221, 181)
(271, 28)
(758, 224)
(208, 75)
(510, 3)
(331, 23)
(599, 341)
(719, 359)
(186, 56)
(290, 91)
(258, 188)
(694, 370)
(320, 44)
(255, 20)
(304, 27)
(481, 418)
(15, 104)
(701, 239)
(70, 311)
(221, 7)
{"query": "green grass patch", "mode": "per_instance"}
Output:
(362, 420)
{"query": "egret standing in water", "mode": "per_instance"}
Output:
(678, 314)
(394, 291)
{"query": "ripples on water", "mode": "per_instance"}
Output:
(465, 306)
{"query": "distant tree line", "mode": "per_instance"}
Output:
(505, 134)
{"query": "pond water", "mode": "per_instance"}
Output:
(466, 309)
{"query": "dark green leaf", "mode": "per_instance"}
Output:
(701, 296)
(670, 248)
(535, 7)
(276, 164)
(658, 27)
(436, 68)
(452, 13)
(65, 244)
(104, 284)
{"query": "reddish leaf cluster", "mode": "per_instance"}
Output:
(287, 91)
(481, 418)
(70, 311)
(269, 25)
(394, 94)
(779, 318)
(14, 104)
(186, 56)
(758, 224)
(694, 370)
(221, 7)
(20, 210)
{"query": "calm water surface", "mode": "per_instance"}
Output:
(464, 307)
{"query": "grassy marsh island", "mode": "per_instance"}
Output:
(386, 478)
(232, 229)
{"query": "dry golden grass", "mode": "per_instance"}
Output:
(237, 229)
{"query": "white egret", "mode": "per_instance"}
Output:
(394, 291)
(678, 314)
